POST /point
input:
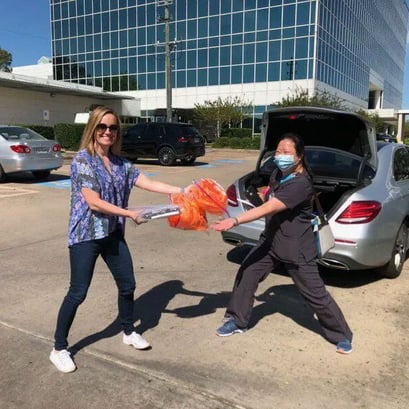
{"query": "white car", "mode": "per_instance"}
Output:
(363, 187)
(23, 150)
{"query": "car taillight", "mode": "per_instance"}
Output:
(232, 196)
(359, 212)
(184, 139)
(57, 147)
(20, 148)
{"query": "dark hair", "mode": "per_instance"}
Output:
(299, 149)
(298, 143)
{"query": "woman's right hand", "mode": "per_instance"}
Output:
(135, 215)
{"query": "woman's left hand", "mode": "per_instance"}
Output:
(223, 225)
(188, 188)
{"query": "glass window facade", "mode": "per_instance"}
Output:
(119, 44)
(355, 37)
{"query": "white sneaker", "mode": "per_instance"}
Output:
(62, 360)
(136, 341)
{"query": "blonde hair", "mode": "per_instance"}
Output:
(88, 136)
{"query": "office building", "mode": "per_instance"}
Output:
(258, 50)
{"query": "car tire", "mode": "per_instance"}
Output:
(166, 156)
(188, 160)
(2, 174)
(400, 248)
(41, 174)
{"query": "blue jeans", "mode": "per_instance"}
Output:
(83, 256)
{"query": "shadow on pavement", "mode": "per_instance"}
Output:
(28, 178)
(148, 309)
(282, 299)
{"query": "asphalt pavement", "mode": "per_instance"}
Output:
(183, 284)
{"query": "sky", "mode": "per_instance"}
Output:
(25, 33)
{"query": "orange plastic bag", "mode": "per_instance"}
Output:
(210, 196)
(191, 216)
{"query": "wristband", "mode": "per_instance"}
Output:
(236, 221)
(182, 190)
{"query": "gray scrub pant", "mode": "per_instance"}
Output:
(258, 264)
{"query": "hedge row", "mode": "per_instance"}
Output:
(236, 133)
(69, 135)
(46, 131)
(237, 143)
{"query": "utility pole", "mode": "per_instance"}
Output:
(168, 66)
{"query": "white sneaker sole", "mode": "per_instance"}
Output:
(237, 331)
(141, 346)
(55, 362)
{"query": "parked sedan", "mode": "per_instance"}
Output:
(363, 186)
(386, 137)
(23, 150)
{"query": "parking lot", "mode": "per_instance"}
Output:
(183, 283)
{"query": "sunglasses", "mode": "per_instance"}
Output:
(104, 127)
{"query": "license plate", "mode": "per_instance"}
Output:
(40, 149)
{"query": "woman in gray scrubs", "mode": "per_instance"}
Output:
(288, 241)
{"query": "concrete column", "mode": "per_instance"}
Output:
(401, 123)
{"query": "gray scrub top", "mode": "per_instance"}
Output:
(290, 231)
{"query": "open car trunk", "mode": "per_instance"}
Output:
(340, 149)
(336, 175)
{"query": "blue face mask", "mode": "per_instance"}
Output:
(284, 161)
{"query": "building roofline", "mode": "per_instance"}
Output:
(26, 82)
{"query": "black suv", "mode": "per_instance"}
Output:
(166, 141)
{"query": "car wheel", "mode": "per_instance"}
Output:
(166, 156)
(41, 174)
(400, 248)
(2, 174)
(188, 160)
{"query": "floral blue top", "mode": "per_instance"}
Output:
(115, 187)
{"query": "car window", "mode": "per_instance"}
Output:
(16, 133)
(401, 164)
(135, 131)
(190, 130)
(162, 131)
(333, 163)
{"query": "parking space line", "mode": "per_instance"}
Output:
(59, 184)
(230, 161)
(6, 191)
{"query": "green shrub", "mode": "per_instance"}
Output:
(46, 131)
(236, 133)
(69, 135)
(222, 142)
(237, 143)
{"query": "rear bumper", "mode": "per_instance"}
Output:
(236, 239)
(26, 164)
(195, 151)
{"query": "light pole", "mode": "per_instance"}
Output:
(168, 66)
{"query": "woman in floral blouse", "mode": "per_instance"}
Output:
(101, 182)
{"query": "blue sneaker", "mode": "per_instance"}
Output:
(344, 347)
(229, 328)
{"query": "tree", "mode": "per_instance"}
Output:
(374, 118)
(406, 133)
(5, 60)
(302, 97)
(220, 113)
